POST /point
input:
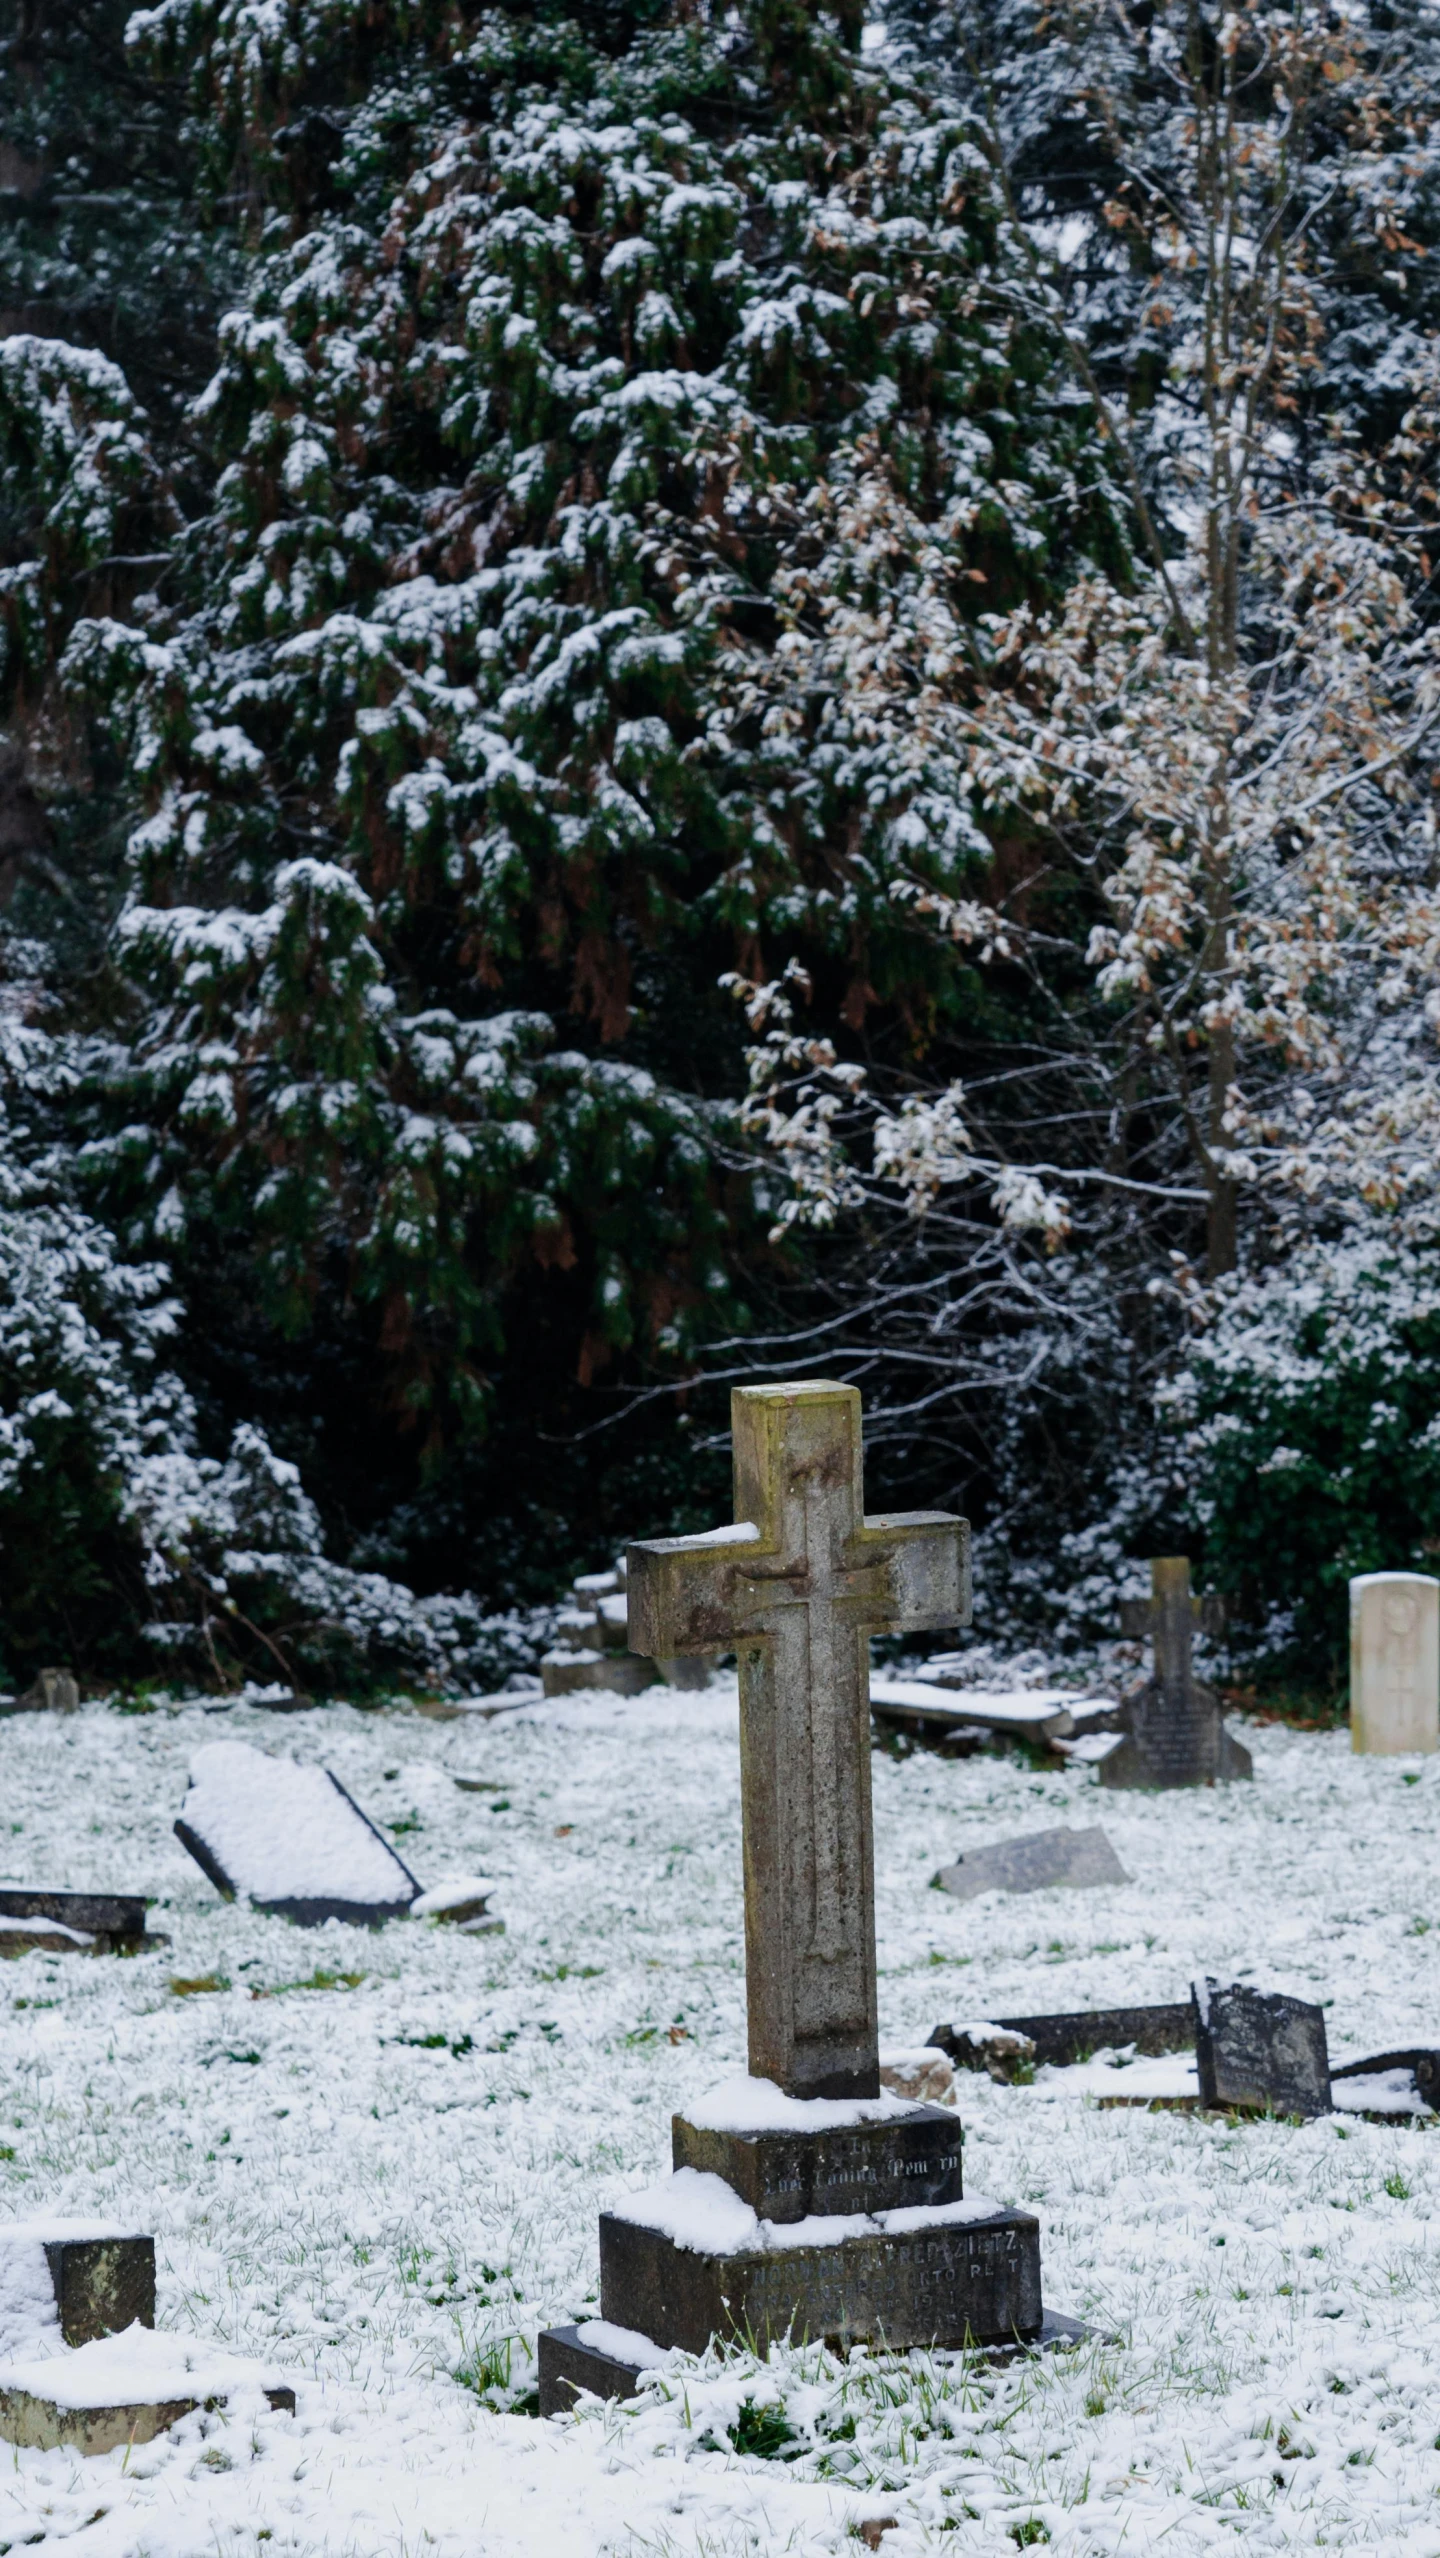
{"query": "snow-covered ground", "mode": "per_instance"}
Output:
(376, 2160)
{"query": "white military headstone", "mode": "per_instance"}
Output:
(1394, 1662)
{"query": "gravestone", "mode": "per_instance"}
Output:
(73, 1922)
(289, 1838)
(1057, 2041)
(1259, 2052)
(1173, 1732)
(51, 1692)
(1394, 1663)
(879, 2240)
(1083, 1857)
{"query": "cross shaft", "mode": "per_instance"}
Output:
(796, 1588)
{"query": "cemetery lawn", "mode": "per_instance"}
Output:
(377, 2159)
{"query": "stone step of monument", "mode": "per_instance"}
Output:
(871, 2155)
(689, 2260)
(604, 2361)
(78, 1922)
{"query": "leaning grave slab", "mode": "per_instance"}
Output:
(804, 2198)
(1037, 1863)
(289, 1839)
(80, 2365)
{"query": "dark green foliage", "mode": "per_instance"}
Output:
(1311, 1421)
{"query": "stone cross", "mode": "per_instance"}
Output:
(796, 1588)
(1394, 1662)
(1168, 1619)
(1174, 1732)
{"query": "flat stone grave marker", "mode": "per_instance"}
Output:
(289, 1839)
(1258, 2051)
(1057, 2042)
(1033, 1864)
(1394, 1663)
(804, 2199)
(73, 1922)
(1173, 1731)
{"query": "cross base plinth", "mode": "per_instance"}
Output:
(570, 2363)
(908, 2156)
(969, 2273)
(1170, 1743)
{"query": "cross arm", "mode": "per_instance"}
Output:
(921, 1562)
(686, 1594)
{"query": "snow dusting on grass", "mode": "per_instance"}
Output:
(375, 2160)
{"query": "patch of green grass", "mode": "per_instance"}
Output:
(200, 1986)
(762, 2433)
(573, 1972)
(1396, 2187)
(317, 1980)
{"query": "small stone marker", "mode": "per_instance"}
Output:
(89, 2279)
(1394, 1663)
(461, 1901)
(1082, 1857)
(73, 1922)
(1173, 1730)
(290, 1839)
(51, 1692)
(881, 2241)
(1258, 2051)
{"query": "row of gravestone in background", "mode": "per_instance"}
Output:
(1169, 1730)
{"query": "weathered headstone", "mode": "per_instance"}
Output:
(1033, 1864)
(1394, 1663)
(289, 1838)
(1173, 1731)
(1258, 2051)
(809, 2140)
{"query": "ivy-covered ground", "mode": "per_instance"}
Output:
(377, 2160)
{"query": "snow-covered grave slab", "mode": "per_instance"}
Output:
(289, 1839)
(125, 2389)
(1038, 1715)
(1077, 1857)
(33, 1921)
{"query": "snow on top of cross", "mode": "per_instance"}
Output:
(747, 2105)
(282, 1831)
